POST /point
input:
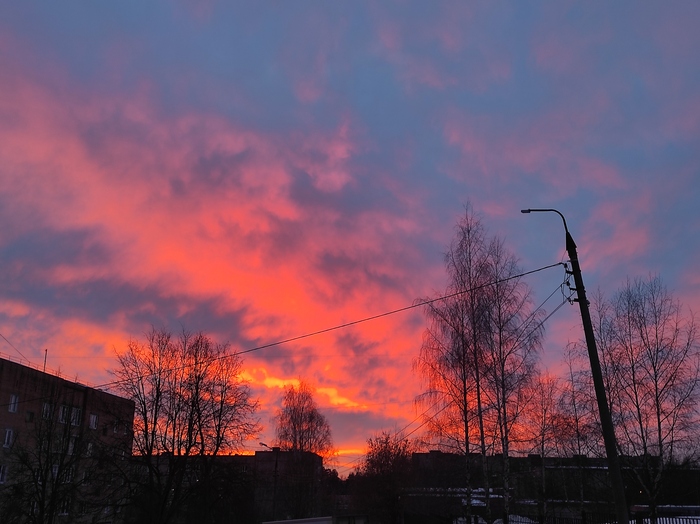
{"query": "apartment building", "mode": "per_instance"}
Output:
(65, 448)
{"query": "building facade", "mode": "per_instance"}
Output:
(287, 483)
(65, 448)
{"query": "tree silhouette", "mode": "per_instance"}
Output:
(191, 405)
(479, 350)
(384, 473)
(300, 426)
(651, 363)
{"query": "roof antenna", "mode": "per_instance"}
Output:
(46, 352)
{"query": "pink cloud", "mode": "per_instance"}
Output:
(544, 148)
(612, 233)
(446, 29)
(307, 57)
(119, 166)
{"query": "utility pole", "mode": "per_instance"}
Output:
(606, 423)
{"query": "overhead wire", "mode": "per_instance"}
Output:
(531, 316)
(417, 304)
(400, 432)
(353, 464)
(13, 347)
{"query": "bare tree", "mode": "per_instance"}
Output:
(542, 422)
(479, 349)
(61, 469)
(652, 366)
(300, 426)
(579, 432)
(452, 357)
(542, 414)
(44, 458)
(515, 333)
(191, 405)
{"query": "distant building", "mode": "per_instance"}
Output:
(285, 484)
(264, 486)
(63, 444)
(574, 487)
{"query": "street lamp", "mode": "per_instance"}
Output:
(605, 418)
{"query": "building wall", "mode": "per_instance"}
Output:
(287, 483)
(62, 443)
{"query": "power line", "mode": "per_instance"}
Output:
(417, 304)
(348, 466)
(13, 347)
(443, 408)
(420, 303)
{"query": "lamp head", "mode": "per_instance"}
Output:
(525, 211)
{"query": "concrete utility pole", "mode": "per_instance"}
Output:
(614, 469)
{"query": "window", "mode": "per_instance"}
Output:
(54, 471)
(88, 452)
(3, 473)
(63, 414)
(75, 416)
(14, 400)
(71, 444)
(29, 416)
(93, 421)
(46, 410)
(68, 475)
(8, 438)
(64, 506)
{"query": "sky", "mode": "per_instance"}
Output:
(264, 170)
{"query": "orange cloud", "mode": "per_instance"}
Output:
(192, 208)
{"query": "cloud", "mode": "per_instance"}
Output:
(265, 174)
(338, 400)
(191, 220)
(442, 49)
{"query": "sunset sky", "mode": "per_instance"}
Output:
(263, 170)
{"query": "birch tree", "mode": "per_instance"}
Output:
(514, 336)
(300, 426)
(452, 357)
(479, 348)
(652, 370)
